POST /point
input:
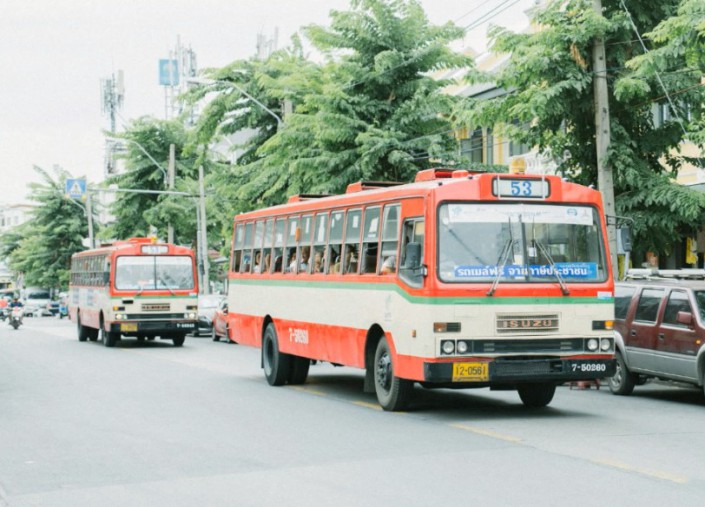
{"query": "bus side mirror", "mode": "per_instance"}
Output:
(412, 257)
(625, 236)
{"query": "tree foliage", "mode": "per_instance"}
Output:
(146, 144)
(41, 249)
(369, 111)
(549, 104)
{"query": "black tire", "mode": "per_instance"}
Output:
(179, 340)
(277, 365)
(393, 393)
(299, 370)
(214, 336)
(15, 324)
(623, 381)
(537, 395)
(82, 330)
(108, 338)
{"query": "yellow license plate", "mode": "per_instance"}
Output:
(471, 372)
(128, 327)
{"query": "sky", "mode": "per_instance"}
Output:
(53, 54)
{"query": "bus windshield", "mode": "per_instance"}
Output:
(519, 242)
(149, 272)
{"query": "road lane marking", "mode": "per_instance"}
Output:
(654, 474)
(487, 433)
(307, 390)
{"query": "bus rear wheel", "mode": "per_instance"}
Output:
(277, 365)
(537, 395)
(298, 372)
(83, 331)
(393, 393)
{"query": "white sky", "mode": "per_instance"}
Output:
(53, 54)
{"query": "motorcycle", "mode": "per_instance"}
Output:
(3, 313)
(15, 318)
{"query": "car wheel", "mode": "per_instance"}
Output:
(623, 381)
(537, 395)
(214, 335)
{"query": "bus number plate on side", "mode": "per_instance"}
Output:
(471, 372)
(128, 327)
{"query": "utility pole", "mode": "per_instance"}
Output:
(171, 172)
(204, 236)
(605, 182)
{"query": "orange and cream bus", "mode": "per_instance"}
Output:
(502, 281)
(135, 288)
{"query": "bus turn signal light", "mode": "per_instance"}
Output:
(446, 327)
(600, 325)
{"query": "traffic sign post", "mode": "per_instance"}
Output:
(75, 188)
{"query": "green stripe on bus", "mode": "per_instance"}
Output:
(440, 300)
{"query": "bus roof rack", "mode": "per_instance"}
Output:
(306, 197)
(680, 274)
(369, 185)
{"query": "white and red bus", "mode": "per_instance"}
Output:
(503, 281)
(137, 288)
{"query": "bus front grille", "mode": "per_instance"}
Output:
(527, 346)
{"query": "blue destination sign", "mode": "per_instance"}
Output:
(584, 270)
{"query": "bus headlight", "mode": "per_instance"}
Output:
(119, 316)
(189, 315)
(593, 344)
(447, 347)
(462, 347)
(605, 344)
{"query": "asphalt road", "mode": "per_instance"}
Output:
(154, 425)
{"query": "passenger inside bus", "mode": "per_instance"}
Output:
(305, 255)
(258, 263)
(389, 266)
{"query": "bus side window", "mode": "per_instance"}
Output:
(267, 246)
(304, 264)
(411, 267)
(246, 260)
(278, 250)
(390, 240)
(335, 242)
(238, 241)
(256, 256)
(292, 238)
(351, 255)
(370, 241)
(320, 237)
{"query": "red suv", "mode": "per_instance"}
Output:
(660, 329)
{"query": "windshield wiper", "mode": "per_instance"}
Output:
(160, 279)
(559, 277)
(503, 258)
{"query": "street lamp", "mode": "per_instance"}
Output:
(205, 81)
(143, 150)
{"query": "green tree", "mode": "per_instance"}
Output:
(146, 144)
(41, 249)
(549, 104)
(370, 111)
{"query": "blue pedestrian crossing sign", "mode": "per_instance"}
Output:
(76, 188)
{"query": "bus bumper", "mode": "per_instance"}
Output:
(153, 327)
(517, 371)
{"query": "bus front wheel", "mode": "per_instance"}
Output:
(537, 395)
(179, 340)
(109, 338)
(277, 365)
(393, 393)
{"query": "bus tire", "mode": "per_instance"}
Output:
(298, 371)
(93, 334)
(537, 395)
(82, 330)
(623, 381)
(108, 338)
(393, 393)
(179, 340)
(277, 365)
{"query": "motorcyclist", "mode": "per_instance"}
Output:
(16, 303)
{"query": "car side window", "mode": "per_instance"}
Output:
(677, 302)
(649, 302)
(622, 298)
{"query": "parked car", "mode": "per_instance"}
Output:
(659, 328)
(207, 305)
(220, 322)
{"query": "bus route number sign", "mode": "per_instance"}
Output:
(520, 188)
(471, 372)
